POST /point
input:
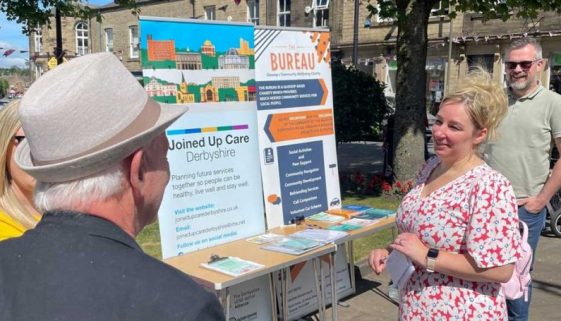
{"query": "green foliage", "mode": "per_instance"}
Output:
(359, 104)
(490, 9)
(412, 18)
(149, 240)
(38, 13)
(4, 86)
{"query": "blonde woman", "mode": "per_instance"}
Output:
(17, 213)
(459, 224)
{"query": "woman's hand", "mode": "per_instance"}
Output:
(377, 260)
(410, 245)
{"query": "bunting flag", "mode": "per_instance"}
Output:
(8, 52)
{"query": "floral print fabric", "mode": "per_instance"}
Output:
(476, 214)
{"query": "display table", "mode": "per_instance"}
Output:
(273, 261)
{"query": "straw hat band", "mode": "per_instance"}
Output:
(147, 118)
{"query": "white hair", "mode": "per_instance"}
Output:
(80, 193)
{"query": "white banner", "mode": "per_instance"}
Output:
(214, 195)
(296, 122)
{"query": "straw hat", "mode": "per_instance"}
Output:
(85, 116)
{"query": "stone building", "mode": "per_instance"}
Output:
(473, 40)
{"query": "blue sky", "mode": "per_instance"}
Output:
(12, 38)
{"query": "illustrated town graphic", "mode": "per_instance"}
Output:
(164, 54)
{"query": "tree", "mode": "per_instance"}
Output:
(360, 104)
(4, 85)
(412, 17)
(31, 14)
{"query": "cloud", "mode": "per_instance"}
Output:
(10, 62)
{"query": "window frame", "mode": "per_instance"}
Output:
(82, 36)
(284, 14)
(107, 42)
(324, 9)
(435, 11)
(253, 11)
(212, 12)
(37, 40)
(134, 48)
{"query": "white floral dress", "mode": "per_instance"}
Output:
(475, 213)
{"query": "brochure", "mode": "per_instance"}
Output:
(360, 222)
(400, 267)
(357, 208)
(264, 238)
(325, 217)
(292, 245)
(343, 212)
(375, 213)
(232, 266)
(344, 227)
(320, 235)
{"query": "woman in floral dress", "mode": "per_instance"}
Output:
(459, 224)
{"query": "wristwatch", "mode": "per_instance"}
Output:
(431, 259)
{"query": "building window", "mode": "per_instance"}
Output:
(38, 70)
(321, 13)
(38, 40)
(437, 11)
(210, 13)
(134, 43)
(82, 35)
(109, 40)
(253, 11)
(283, 13)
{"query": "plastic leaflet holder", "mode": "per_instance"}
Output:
(400, 267)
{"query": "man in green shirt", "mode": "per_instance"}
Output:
(522, 149)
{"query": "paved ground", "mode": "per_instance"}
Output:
(371, 302)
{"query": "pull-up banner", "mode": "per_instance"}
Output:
(296, 123)
(215, 194)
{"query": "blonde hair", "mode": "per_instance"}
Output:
(9, 203)
(484, 100)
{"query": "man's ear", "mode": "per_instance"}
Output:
(136, 172)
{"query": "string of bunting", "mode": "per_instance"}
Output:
(9, 51)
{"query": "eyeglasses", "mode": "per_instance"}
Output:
(525, 65)
(19, 138)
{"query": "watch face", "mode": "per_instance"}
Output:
(433, 253)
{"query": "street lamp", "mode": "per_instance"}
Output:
(355, 34)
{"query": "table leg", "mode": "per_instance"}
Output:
(351, 256)
(319, 288)
(332, 266)
(224, 298)
(273, 288)
(323, 291)
(284, 289)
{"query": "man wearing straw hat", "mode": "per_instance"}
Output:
(96, 146)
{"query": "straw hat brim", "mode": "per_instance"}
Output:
(99, 160)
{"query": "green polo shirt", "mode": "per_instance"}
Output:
(523, 145)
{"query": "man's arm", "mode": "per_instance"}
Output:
(551, 186)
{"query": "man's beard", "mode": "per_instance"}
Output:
(520, 85)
